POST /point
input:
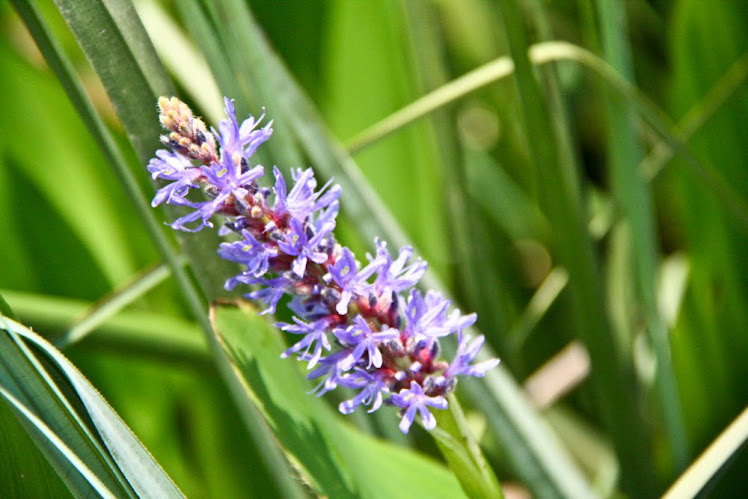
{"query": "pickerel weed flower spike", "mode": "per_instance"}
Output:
(363, 327)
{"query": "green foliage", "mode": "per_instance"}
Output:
(588, 193)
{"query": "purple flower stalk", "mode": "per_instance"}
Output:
(365, 328)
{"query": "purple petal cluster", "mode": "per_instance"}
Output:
(362, 327)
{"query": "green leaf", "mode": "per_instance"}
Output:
(332, 457)
(89, 445)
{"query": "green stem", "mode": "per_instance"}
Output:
(115, 301)
(462, 452)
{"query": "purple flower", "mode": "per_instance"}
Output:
(249, 251)
(172, 166)
(351, 280)
(394, 275)
(360, 336)
(299, 244)
(382, 340)
(371, 385)
(316, 332)
(427, 317)
(302, 200)
(330, 370)
(229, 176)
(240, 140)
(271, 292)
(416, 400)
(466, 352)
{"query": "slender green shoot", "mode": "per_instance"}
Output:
(112, 303)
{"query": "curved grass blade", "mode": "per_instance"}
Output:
(24, 470)
(58, 445)
(543, 53)
(121, 465)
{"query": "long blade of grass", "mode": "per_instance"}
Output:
(558, 189)
(543, 53)
(74, 461)
(467, 240)
(64, 442)
(182, 58)
(250, 64)
(158, 336)
(632, 193)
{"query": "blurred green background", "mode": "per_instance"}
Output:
(499, 190)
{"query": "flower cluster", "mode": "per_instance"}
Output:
(362, 327)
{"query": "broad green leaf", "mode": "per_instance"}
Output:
(332, 457)
(89, 445)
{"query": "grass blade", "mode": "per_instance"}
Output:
(632, 193)
(544, 53)
(113, 303)
(558, 188)
(125, 454)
